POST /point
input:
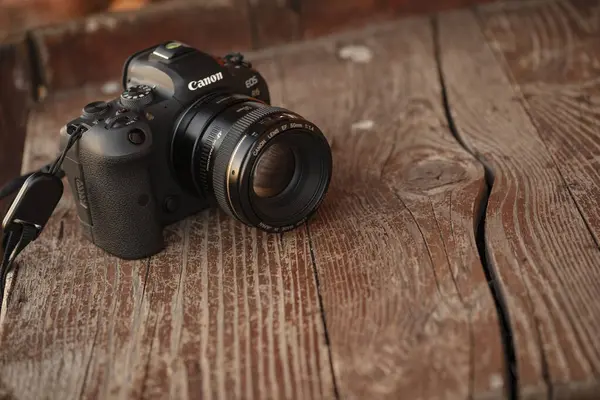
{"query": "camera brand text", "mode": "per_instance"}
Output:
(194, 85)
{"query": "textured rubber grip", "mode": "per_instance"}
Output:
(226, 149)
(123, 208)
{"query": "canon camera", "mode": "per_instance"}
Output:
(189, 131)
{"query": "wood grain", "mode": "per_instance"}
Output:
(561, 88)
(224, 312)
(326, 17)
(92, 50)
(538, 239)
(387, 273)
(408, 310)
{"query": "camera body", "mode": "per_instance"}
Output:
(122, 170)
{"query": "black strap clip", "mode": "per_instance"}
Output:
(34, 203)
(27, 216)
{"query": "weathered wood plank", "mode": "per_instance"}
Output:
(224, 312)
(18, 16)
(227, 311)
(408, 310)
(94, 49)
(275, 22)
(561, 87)
(538, 242)
(325, 17)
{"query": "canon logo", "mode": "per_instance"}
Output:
(193, 85)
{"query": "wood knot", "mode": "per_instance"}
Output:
(434, 175)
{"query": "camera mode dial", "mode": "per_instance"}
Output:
(137, 96)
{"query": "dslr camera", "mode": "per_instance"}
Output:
(190, 131)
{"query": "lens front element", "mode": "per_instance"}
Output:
(274, 171)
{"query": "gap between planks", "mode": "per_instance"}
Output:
(511, 370)
(314, 264)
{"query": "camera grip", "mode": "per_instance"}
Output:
(124, 215)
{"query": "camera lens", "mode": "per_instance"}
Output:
(274, 170)
(266, 166)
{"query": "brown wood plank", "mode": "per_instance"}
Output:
(224, 312)
(93, 49)
(561, 87)
(538, 242)
(17, 16)
(275, 22)
(408, 310)
(324, 17)
(15, 100)
(227, 311)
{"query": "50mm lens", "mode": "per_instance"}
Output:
(266, 166)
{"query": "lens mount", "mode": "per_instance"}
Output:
(193, 142)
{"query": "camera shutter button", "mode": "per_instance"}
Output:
(94, 109)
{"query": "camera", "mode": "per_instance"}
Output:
(190, 131)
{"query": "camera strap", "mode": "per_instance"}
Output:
(38, 196)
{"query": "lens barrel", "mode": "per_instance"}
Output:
(266, 166)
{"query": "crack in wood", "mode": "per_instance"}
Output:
(480, 235)
(36, 66)
(429, 255)
(545, 371)
(89, 363)
(149, 357)
(322, 311)
(528, 102)
(445, 248)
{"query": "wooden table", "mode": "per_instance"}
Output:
(457, 254)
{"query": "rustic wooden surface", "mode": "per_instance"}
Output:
(383, 289)
(225, 311)
(560, 78)
(557, 73)
(92, 49)
(538, 134)
(466, 148)
(408, 310)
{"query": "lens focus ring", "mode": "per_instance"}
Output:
(226, 150)
(205, 156)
